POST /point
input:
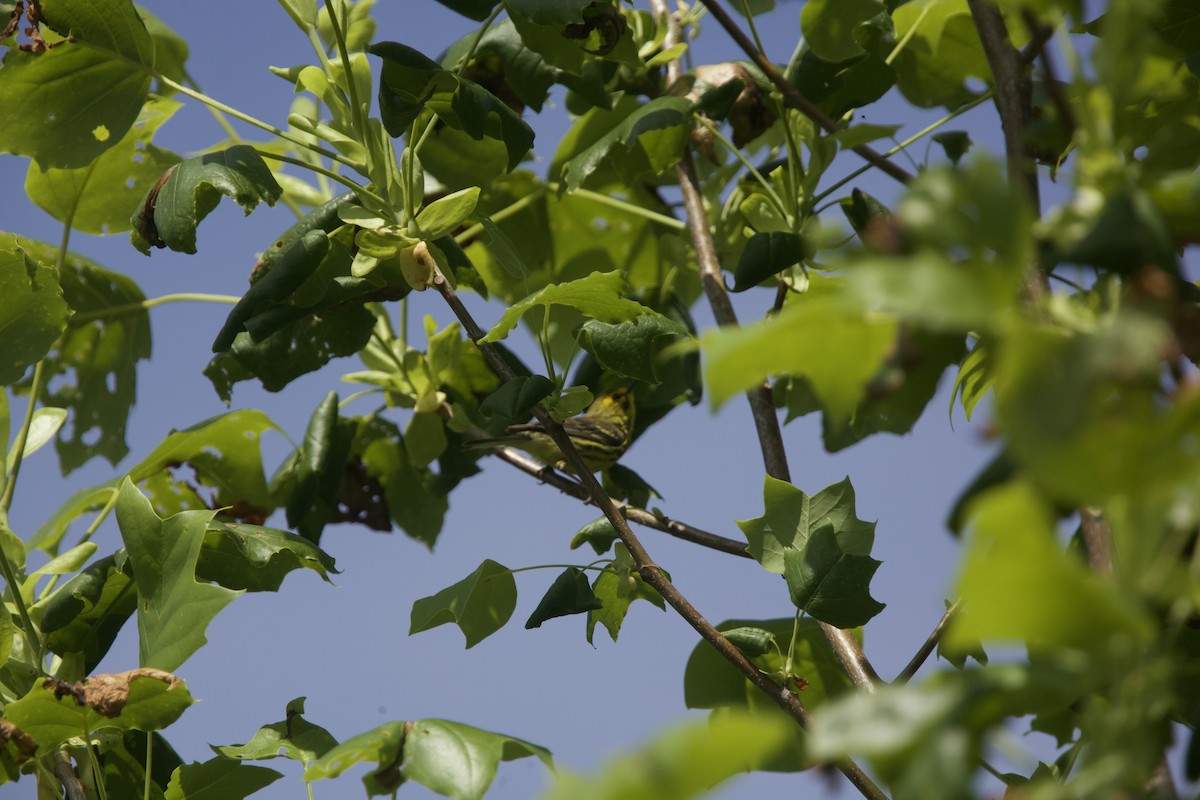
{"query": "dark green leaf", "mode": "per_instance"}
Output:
(218, 777)
(549, 12)
(69, 104)
(479, 604)
(93, 370)
(256, 559)
(477, 10)
(623, 483)
(298, 348)
(828, 583)
(322, 218)
(753, 642)
(650, 139)
(415, 498)
(292, 269)
(632, 348)
(32, 311)
(569, 594)
(86, 613)
(829, 26)
(955, 143)
(173, 608)
(861, 209)
(768, 254)
(515, 399)
(792, 516)
(838, 86)
(411, 83)
(169, 216)
(317, 470)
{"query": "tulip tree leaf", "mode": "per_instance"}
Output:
(411, 82)
(32, 312)
(479, 604)
(828, 583)
(173, 607)
(452, 759)
(97, 198)
(169, 216)
(598, 296)
(68, 104)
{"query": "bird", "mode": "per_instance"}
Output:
(601, 434)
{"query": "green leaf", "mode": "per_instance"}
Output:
(516, 398)
(218, 777)
(173, 607)
(97, 198)
(1014, 570)
(93, 370)
(753, 642)
(623, 483)
(297, 348)
(32, 312)
(829, 26)
(415, 498)
(768, 254)
(955, 143)
(650, 139)
(193, 188)
(836, 348)
(452, 759)
(477, 10)
(634, 348)
(295, 738)
(410, 83)
(710, 681)
(45, 423)
(70, 103)
(506, 253)
(425, 438)
(683, 762)
(480, 604)
(599, 533)
(598, 296)
(942, 52)
(317, 468)
(142, 699)
(445, 214)
(791, 517)
(828, 583)
(569, 594)
(292, 269)
(838, 86)
(617, 588)
(86, 613)
(256, 559)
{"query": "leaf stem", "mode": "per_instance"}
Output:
(904, 40)
(624, 205)
(356, 114)
(249, 120)
(81, 317)
(35, 388)
(357, 188)
(745, 162)
(14, 589)
(928, 129)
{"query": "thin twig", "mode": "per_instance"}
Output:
(930, 643)
(569, 486)
(649, 572)
(1097, 540)
(1041, 36)
(792, 96)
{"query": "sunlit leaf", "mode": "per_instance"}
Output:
(480, 604)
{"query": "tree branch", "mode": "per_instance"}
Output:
(930, 643)
(1014, 102)
(571, 487)
(762, 405)
(650, 572)
(792, 96)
